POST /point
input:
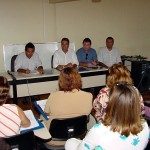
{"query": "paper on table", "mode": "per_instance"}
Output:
(42, 103)
(32, 119)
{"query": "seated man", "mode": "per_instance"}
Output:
(28, 61)
(109, 55)
(64, 57)
(86, 55)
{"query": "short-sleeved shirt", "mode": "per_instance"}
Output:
(109, 57)
(9, 120)
(61, 58)
(90, 56)
(23, 62)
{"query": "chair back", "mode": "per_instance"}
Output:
(24, 141)
(13, 63)
(52, 61)
(63, 129)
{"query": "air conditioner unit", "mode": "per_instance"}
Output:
(60, 1)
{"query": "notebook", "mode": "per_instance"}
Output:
(35, 123)
(40, 105)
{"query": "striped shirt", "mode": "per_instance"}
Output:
(9, 120)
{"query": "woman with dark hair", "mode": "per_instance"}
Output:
(12, 116)
(70, 100)
(122, 128)
(117, 73)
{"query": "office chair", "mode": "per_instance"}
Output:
(52, 61)
(12, 65)
(24, 141)
(65, 128)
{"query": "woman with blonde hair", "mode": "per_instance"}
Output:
(12, 116)
(122, 128)
(117, 73)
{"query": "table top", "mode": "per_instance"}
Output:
(47, 73)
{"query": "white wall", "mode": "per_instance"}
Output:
(22, 21)
(127, 21)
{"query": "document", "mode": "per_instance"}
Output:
(40, 105)
(35, 123)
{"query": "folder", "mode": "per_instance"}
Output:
(35, 123)
(40, 105)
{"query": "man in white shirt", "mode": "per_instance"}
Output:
(65, 57)
(109, 55)
(28, 61)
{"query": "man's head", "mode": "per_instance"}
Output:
(29, 50)
(109, 43)
(65, 44)
(86, 44)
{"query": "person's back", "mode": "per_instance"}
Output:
(9, 120)
(123, 128)
(11, 116)
(69, 104)
(70, 101)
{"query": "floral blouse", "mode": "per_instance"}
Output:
(101, 101)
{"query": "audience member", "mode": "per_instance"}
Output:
(86, 55)
(117, 73)
(64, 57)
(123, 127)
(28, 61)
(108, 55)
(11, 115)
(70, 100)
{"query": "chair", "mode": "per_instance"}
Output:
(24, 141)
(13, 63)
(63, 129)
(52, 61)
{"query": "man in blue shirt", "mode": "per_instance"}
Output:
(86, 55)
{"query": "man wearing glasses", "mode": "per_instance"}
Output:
(86, 55)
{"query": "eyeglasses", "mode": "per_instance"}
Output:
(86, 56)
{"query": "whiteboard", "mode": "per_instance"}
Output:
(45, 51)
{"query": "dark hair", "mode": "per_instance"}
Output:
(123, 113)
(4, 145)
(69, 79)
(87, 40)
(65, 39)
(29, 45)
(110, 38)
(4, 90)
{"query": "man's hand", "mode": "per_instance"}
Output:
(40, 70)
(27, 71)
(94, 63)
(69, 65)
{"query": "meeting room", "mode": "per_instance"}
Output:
(74, 74)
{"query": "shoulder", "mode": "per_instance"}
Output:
(21, 55)
(85, 94)
(56, 52)
(115, 49)
(36, 54)
(80, 50)
(71, 51)
(102, 49)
